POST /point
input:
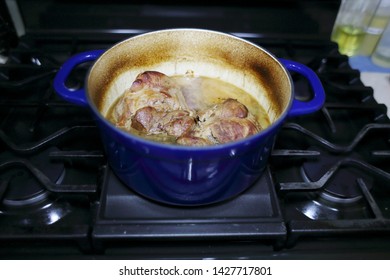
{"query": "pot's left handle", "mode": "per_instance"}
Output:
(78, 96)
(306, 107)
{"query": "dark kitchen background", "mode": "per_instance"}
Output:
(324, 195)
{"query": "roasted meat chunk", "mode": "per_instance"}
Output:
(231, 129)
(146, 120)
(227, 109)
(173, 123)
(154, 106)
(150, 89)
(225, 122)
(177, 123)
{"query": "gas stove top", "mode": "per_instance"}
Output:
(324, 194)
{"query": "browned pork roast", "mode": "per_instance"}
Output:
(155, 105)
(222, 123)
(151, 121)
(153, 89)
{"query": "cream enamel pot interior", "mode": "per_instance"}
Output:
(183, 175)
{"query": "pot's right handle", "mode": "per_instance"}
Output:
(306, 107)
(78, 96)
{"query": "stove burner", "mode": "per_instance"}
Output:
(322, 207)
(341, 198)
(22, 188)
(25, 200)
(343, 187)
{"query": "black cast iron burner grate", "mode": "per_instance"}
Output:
(340, 186)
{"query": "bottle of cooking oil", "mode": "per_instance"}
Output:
(351, 24)
(381, 55)
(349, 38)
(375, 28)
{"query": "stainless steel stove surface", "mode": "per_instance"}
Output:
(325, 192)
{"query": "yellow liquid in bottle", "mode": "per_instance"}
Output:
(373, 34)
(348, 38)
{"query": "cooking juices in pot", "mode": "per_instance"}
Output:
(187, 110)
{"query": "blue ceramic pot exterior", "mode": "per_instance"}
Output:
(186, 176)
(181, 175)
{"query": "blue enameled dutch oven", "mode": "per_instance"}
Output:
(182, 175)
